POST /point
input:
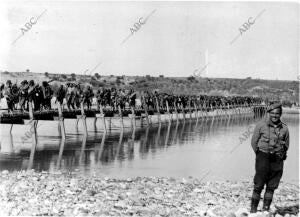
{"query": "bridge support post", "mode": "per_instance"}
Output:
(168, 111)
(121, 118)
(196, 111)
(34, 142)
(176, 112)
(82, 117)
(146, 115)
(158, 111)
(133, 122)
(30, 110)
(183, 112)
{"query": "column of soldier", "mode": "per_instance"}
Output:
(72, 94)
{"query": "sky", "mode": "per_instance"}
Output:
(174, 39)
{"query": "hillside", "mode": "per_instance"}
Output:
(271, 89)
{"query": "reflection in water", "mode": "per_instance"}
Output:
(179, 148)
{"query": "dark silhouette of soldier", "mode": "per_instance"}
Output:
(132, 98)
(101, 97)
(2, 86)
(87, 95)
(35, 95)
(23, 95)
(9, 96)
(70, 95)
(47, 93)
(60, 94)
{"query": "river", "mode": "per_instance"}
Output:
(208, 149)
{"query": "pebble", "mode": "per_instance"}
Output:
(143, 196)
(5, 172)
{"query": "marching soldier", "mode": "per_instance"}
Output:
(2, 86)
(8, 94)
(60, 95)
(23, 95)
(87, 95)
(132, 97)
(47, 93)
(35, 95)
(70, 96)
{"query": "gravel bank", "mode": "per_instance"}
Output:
(31, 193)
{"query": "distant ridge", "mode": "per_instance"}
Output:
(271, 89)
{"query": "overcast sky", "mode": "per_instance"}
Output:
(73, 37)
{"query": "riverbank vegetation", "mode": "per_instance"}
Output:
(285, 91)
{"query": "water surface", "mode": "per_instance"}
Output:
(209, 149)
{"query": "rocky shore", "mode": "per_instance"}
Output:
(31, 193)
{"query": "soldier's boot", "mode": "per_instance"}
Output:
(266, 206)
(255, 200)
(267, 199)
(254, 205)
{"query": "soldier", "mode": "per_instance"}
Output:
(35, 95)
(121, 99)
(270, 142)
(87, 95)
(132, 98)
(107, 97)
(2, 86)
(23, 95)
(8, 94)
(101, 97)
(78, 97)
(60, 95)
(47, 93)
(70, 95)
(113, 98)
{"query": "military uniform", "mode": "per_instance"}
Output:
(9, 96)
(270, 143)
(87, 94)
(60, 95)
(47, 93)
(23, 94)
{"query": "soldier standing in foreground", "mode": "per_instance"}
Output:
(270, 142)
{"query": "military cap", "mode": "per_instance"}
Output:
(274, 106)
(8, 82)
(24, 82)
(31, 82)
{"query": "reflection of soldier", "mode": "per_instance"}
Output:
(270, 142)
(47, 93)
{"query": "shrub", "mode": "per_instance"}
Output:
(191, 78)
(63, 76)
(97, 75)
